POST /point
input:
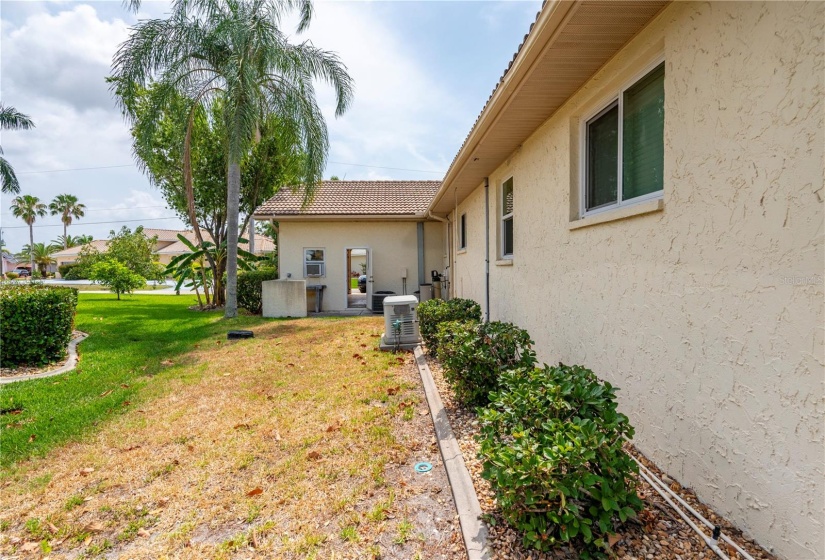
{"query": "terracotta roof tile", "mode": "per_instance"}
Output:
(347, 198)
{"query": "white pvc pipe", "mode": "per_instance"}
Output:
(698, 515)
(711, 543)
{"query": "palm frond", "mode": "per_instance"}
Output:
(8, 178)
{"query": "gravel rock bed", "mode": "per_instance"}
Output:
(658, 532)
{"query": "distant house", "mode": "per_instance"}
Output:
(383, 224)
(643, 192)
(167, 247)
(10, 262)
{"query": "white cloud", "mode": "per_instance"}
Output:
(399, 106)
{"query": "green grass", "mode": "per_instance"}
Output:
(129, 340)
(353, 283)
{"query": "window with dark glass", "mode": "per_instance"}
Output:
(462, 232)
(507, 218)
(625, 145)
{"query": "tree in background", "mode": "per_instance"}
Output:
(11, 119)
(116, 276)
(158, 140)
(41, 255)
(69, 208)
(134, 250)
(233, 53)
(67, 241)
(28, 208)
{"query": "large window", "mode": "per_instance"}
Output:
(624, 155)
(507, 218)
(462, 232)
(314, 263)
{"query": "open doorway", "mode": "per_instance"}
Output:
(357, 277)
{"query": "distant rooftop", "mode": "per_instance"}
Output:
(354, 198)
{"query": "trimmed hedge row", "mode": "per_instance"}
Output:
(37, 323)
(551, 438)
(474, 355)
(250, 288)
(433, 312)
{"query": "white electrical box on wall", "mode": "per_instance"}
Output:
(404, 273)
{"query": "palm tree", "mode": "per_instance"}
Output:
(68, 207)
(28, 208)
(232, 52)
(11, 119)
(41, 255)
(66, 241)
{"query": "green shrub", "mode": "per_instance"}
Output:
(37, 323)
(75, 273)
(474, 355)
(250, 289)
(65, 269)
(551, 444)
(12, 275)
(117, 277)
(435, 311)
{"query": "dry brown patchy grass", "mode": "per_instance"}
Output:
(279, 446)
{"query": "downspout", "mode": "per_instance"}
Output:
(432, 216)
(420, 228)
(252, 234)
(487, 249)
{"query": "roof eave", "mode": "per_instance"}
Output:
(550, 20)
(417, 217)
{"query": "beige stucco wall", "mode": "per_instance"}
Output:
(707, 314)
(393, 245)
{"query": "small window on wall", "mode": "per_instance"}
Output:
(462, 232)
(314, 263)
(507, 218)
(624, 156)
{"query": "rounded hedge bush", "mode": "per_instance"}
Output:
(433, 312)
(37, 323)
(250, 288)
(474, 355)
(552, 448)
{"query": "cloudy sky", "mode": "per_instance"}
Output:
(422, 72)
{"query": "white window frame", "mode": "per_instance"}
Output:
(607, 103)
(462, 232)
(323, 262)
(504, 217)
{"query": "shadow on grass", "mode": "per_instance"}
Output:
(133, 344)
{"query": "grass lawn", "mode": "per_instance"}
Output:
(353, 283)
(129, 342)
(101, 288)
(173, 442)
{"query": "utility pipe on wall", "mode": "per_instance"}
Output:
(420, 231)
(487, 249)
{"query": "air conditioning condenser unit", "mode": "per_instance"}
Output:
(400, 323)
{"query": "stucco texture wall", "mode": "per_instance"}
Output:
(393, 246)
(708, 314)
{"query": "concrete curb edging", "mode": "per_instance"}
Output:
(70, 364)
(464, 494)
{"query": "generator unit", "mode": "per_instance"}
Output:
(400, 323)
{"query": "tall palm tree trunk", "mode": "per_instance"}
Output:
(65, 239)
(233, 196)
(31, 248)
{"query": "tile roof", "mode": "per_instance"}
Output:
(262, 244)
(99, 244)
(348, 198)
(164, 234)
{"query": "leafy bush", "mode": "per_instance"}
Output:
(551, 442)
(435, 311)
(12, 275)
(250, 288)
(37, 323)
(117, 277)
(75, 273)
(474, 355)
(65, 269)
